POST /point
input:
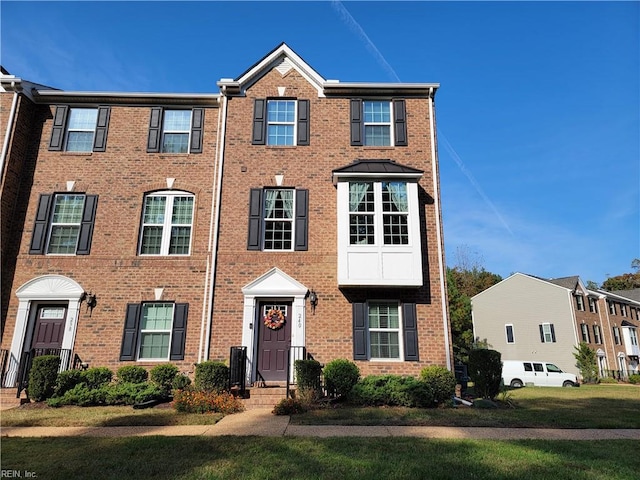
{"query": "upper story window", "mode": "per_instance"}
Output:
(278, 219)
(79, 129)
(633, 336)
(64, 224)
(596, 334)
(580, 302)
(616, 335)
(612, 307)
(167, 221)
(585, 332)
(175, 130)
(509, 333)
(381, 204)
(378, 123)
(593, 305)
(547, 333)
(280, 122)
(623, 310)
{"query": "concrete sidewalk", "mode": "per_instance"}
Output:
(261, 422)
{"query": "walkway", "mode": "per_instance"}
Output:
(261, 422)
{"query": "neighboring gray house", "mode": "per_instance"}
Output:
(530, 318)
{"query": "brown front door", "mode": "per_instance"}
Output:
(273, 343)
(49, 328)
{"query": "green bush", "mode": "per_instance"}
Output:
(485, 370)
(163, 375)
(288, 406)
(181, 382)
(340, 376)
(132, 374)
(212, 376)
(82, 396)
(97, 377)
(441, 380)
(392, 390)
(67, 380)
(124, 393)
(42, 377)
(308, 376)
(635, 379)
(607, 380)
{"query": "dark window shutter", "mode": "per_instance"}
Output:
(39, 237)
(258, 136)
(179, 333)
(155, 130)
(553, 333)
(130, 335)
(302, 220)
(541, 333)
(102, 126)
(410, 325)
(86, 227)
(254, 242)
(356, 122)
(360, 342)
(59, 125)
(197, 124)
(400, 123)
(303, 122)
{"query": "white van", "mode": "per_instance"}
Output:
(518, 373)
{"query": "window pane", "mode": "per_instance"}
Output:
(151, 240)
(63, 239)
(154, 209)
(383, 315)
(154, 345)
(396, 231)
(68, 209)
(80, 141)
(175, 143)
(83, 118)
(157, 316)
(281, 111)
(377, 112)
(394, 197)
(377, 135)
(385, 345)
(177, 121)
(361, 231)
(280, 135)
(277, 235)
(182, 210)
(180, 241)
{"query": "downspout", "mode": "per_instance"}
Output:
(436, 195)
(216, 228)
(609, 334)
(7, 135)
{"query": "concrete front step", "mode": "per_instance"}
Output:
(263, 397)
(8, 398)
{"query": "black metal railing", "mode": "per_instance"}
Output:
(4, 359)
(22, 380)
(617, 374)
(238, 369)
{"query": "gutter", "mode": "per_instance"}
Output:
(436, 195)
(7, 135)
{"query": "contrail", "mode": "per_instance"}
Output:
(355, 27)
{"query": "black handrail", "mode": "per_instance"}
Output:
(238, 369)
(4, 358)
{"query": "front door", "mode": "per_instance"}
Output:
(49, 327)
(274, 340)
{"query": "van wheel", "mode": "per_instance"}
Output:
(515, 383)
(568, 384)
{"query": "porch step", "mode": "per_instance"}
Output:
(263, 397)
(8, 398)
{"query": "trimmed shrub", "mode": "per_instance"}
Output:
(181, 382)
(163, 375)
(635, 379)
(485, 370)
(392, 390)
(132, 374)
(308, 378)
(42, 377)
(212, 376)
(82, 396)
(124, 393)
(442, 382)
(67, 380)
(198, 401)
(97, 377)
(288, 406)
(607, 380)
(340, 376)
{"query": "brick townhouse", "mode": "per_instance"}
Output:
(283, 216)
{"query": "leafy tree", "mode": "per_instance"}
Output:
(635, 264)
(626, 281)
(591, 285)
(586, 362)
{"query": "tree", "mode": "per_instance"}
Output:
(626, 281)
(586, 362)
(591, 285)
(635, 264)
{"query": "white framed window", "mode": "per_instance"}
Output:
(66, 219)
(547, 333)
(616, 335)
(278, 218)
(176, 131)
(377, 122)
(385, 339)
(596, 334)
(509, 333)
(633, 335)
(378, 213)
(580, 302)
(281, 122)
(585, 332)
(612, 307)
(593, 305)
(156, 323)
(623, 310)
(167, 221)
(81, 127)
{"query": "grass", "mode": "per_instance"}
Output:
(313, 458)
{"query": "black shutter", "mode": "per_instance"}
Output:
(258, 136)
(102, 127)
(360, 342)
(553, 333)
(197, 124)
(179, 334)
(86, 227)
(400, 123)
(254, 241)
(39, 237)
(356, 122)
(302, 220)
(410, 325)
(541, 333)
(59, 125)
(303, 122)
(130, 335)
(155, 130)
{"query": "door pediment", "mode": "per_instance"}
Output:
(274, 283)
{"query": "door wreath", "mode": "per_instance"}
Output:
(274, 319)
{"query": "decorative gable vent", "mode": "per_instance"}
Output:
(284, 66)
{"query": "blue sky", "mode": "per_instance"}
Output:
(538, 111)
